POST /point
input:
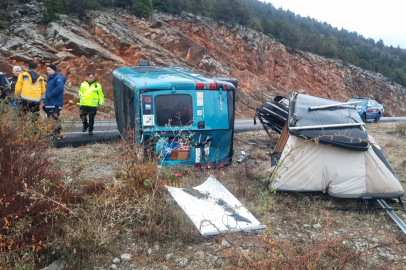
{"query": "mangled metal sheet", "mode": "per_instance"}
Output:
(213, 209)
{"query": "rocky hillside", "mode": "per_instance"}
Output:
(104, 41)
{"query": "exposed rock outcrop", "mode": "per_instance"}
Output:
(104, 41)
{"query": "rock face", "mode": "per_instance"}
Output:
(104, 41)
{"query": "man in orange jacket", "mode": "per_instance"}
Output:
(30, 86)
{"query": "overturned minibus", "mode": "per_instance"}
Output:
(179, 116)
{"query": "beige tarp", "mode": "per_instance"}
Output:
(307, 166)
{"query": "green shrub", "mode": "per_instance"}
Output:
(3, 25)
(142, 8)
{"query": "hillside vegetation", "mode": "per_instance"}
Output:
(292, 30)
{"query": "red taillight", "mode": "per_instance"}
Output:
(206, 86)
(198, 166)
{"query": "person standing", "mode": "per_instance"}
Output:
(4, 86)
(91, 96)
(53, 101)
(13, 80)
(30, 86)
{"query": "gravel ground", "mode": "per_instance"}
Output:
(299, 225)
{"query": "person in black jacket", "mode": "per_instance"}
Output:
(12, 80)
(4, 86)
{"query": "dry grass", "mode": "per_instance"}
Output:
(111, 216)
(118, 198)
(399, 128)
(260, 155)
(393, 142)
(31, 192)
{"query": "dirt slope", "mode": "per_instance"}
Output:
(104, 41)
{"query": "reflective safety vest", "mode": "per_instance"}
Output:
(91, 94)
(29, 90)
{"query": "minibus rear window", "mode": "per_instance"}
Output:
(173, 110)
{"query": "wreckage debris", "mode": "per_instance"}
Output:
(225, 206)
(324, 147)
(213, 214)
(195, 193)
(244, 158)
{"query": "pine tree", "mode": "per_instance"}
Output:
(380, 44)
(142, 8)
(53, 7)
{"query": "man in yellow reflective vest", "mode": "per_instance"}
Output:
(91, 96)
(30, 86)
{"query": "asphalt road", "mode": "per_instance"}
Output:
(106, 130)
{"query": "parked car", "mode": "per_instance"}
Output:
(368, 109)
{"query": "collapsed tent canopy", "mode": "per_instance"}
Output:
(341, 172)
(329, 121)
(323, 146)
